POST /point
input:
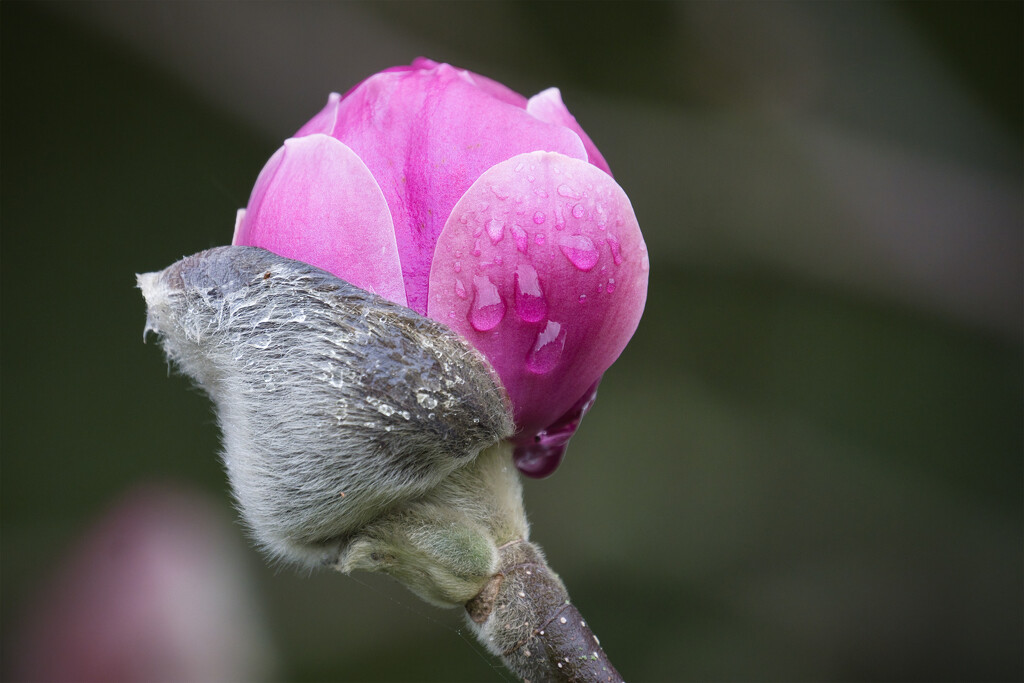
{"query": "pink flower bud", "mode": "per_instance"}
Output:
(445, 191)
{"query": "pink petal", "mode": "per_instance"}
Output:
(316, 201)
(540, 454)
(547, 106)
(491, 86)
(427, 135)
(542, 267)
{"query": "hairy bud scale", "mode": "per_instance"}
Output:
(335, 404)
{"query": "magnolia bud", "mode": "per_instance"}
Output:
(335, 404)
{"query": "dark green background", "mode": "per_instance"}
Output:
(785, 477)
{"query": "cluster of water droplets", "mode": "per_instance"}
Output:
(581, 247)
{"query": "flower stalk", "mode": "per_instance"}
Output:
(525, 617)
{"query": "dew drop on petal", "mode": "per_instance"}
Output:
(521, 238)
(530, 302)
(547, 350)
(495, 230)
(460, 289)
(487, 308)
(611, 285)
(539, 218)
(578, 211)
(613, 244)
(476, 248)
(580, 251)
(539, 238)
(566, 191)
(458, 266)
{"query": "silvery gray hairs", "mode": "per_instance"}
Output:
(358, 434)
(335, 404)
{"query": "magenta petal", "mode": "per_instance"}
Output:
(547, 106)
(325, 119)
(540, 454)
(542, 267)
(426, 135)
(316, 201)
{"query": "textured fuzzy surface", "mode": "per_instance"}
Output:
(445, 545)
(335, 404)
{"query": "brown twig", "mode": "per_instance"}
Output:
(524, 616)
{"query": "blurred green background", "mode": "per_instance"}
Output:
(806, 466)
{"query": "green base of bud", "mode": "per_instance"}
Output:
(466, 543)
(444, 546)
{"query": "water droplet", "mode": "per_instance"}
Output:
(464, 218)
(539, 218)
(611, 285)
(530, 302)
(547, 350)
(487, 309)
(262, 341)
(458, 266)
(566, 191)
(500, 193)
(539, 238)
(426, 400)
(583, 298)
(519, 167)
(482, 206)
(578, 211)
(385, 410)
(498, 260)
(476, 248)
(600, 287)
(521, 238)
(613, 244)
(495, 230)
(531, 178)
(460, 289)
(580, 251)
